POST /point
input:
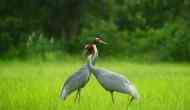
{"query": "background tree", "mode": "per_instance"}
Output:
(143, 28)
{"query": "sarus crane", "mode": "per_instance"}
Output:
(112, 81)
(81, 77)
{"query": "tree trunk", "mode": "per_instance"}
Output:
(64, 21)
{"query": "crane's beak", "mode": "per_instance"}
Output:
(103, 42)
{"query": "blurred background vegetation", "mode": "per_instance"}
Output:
(155, 30)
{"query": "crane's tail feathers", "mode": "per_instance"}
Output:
(63, 94)
(133, 92)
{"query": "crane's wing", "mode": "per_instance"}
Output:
(111, 80)
(78, 79)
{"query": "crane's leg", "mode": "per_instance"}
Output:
(112, 97)
(130, 100)
(76, 96)
(79, 91)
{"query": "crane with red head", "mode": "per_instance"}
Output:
(80, 78)
(111, 81)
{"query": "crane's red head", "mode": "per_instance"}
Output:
(91, 47)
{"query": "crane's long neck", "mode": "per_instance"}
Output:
(91, 58)
(94, 54)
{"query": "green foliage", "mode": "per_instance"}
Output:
(148, 29)
(5, 42)
(40, 46)
(168, 43)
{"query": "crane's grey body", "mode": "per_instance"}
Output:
(76, 81)
(112, 81)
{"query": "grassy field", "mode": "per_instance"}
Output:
(36, 86)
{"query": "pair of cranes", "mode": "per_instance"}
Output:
(110, 81)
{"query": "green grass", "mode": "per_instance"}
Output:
(36, 86)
